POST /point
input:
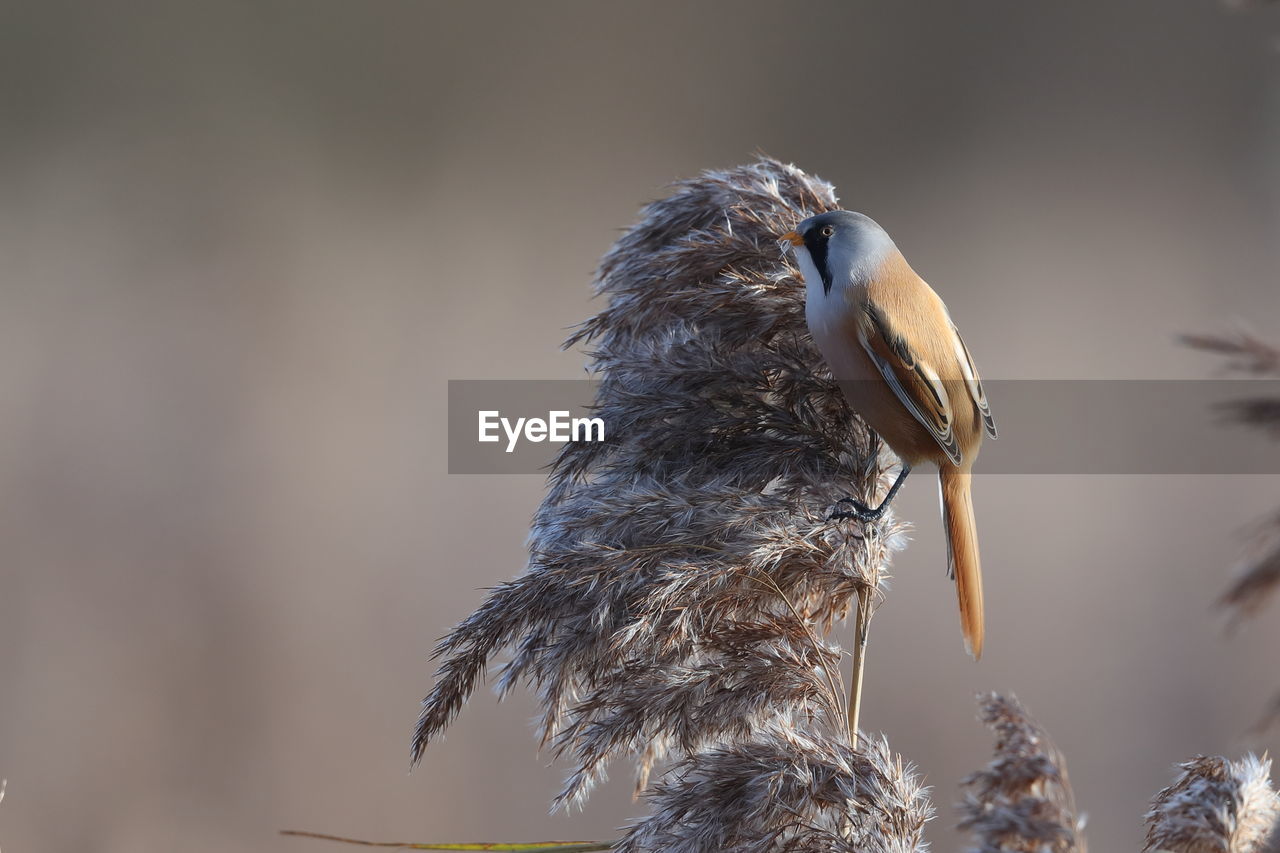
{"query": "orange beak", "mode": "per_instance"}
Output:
(793, 238)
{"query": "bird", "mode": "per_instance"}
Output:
(903, 367)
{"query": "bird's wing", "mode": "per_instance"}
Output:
(914, 382)
(974, 382)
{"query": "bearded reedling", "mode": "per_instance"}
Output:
(902, 365)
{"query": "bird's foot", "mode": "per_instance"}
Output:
(859, 510)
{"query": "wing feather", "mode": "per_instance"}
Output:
(974, 381)
(914, 383)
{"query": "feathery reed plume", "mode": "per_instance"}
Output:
(1247, 354)
(682, 573)
(1258, 575)
(1022, 800)
(1215, 806)
(784, 790)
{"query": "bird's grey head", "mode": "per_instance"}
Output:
(839, 249)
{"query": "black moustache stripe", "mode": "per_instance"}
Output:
(818, 251)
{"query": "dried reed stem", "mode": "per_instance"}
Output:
(861, 626)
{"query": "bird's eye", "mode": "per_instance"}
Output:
(828, 230)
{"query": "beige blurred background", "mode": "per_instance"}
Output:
(243, 246)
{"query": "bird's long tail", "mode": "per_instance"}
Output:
(963, 563)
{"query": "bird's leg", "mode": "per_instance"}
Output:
(861, 511)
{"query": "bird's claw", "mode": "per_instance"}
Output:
(860, 511)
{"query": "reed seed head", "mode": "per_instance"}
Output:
(1215, 806)
(1021, 801)
(784, 790)
(682, 574)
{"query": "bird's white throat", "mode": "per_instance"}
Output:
(824, 312)
(821, 308)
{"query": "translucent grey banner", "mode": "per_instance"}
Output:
(1045, 426)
